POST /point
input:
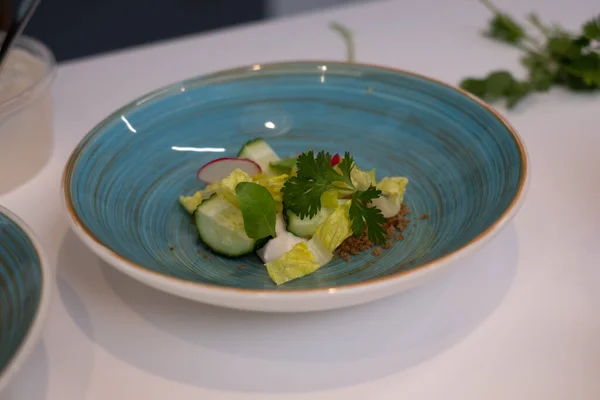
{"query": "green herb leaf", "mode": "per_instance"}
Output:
(582, 42)
(533, 60)
(591, 29)
(591, 78)
(258, 209)
(566, 59)
(572, 79)
(502, 27)
(540, 79)
(304, 199)
(498, 84)
(315, 168)
(588, 68)
(302, 193)
(474, 86)
(283, 166)
(562, 47)
(346, 166)
(517, 93)
(363, 216)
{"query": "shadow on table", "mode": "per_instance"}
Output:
(21, 387)
(244, 351)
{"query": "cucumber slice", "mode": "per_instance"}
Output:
(261, 153)
(221, 227)
(306, 228)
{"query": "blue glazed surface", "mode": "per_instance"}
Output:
(465, 166)
(20, 288)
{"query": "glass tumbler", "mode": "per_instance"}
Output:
(26, 118)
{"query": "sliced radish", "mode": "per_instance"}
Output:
(335, 160)
(221, 168)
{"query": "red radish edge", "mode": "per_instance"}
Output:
(216, 170)
(335, 160)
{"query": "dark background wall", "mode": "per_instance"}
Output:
(77, 28)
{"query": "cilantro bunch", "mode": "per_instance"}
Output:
(554, 57)
(315, 176)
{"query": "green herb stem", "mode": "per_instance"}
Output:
(563, 59)
(347, 37)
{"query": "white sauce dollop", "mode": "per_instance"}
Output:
(279, 245)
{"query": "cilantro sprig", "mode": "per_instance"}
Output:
(363, 216)
(554, 57)
(302, 193)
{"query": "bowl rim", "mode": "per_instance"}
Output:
(137, 270)
(35, 330)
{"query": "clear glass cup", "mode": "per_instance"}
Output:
(26, 116)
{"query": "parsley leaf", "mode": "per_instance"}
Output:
(315, 168)
(474, 86)
(591, 29)
(302, 193)
(346, 166)
(563, 48)
(502, 27)
(565, 59)
(540, 79)
(302, 198)
(497, 85)
(363, 216)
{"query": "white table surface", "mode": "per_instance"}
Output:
(519, 320)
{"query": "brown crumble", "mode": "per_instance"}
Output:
(424, 217)
(357, 244)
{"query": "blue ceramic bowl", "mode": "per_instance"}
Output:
(24, 293)
(467, 169)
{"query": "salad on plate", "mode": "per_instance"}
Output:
(294, 212)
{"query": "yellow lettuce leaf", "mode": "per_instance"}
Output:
(296, 263)
(190, 203)
(336, 228)
(362, 179)
(392, 195)
(226, 188)
(329, 199)
(274, 184)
